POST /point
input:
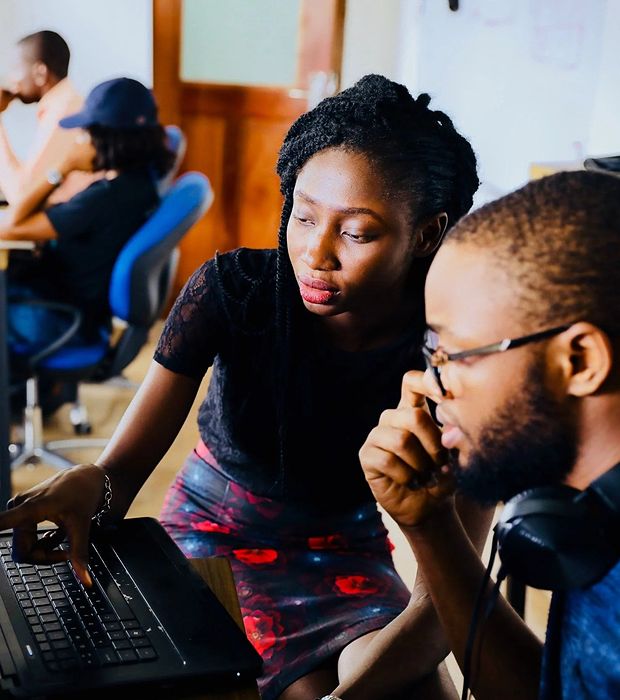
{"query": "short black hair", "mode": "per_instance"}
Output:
(131, 149)
(559, 238)
(51, 49)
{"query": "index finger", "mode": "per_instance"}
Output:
(415, 389)
(78, 535)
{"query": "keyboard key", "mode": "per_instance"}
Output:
(127, 655)
(48, 618)
(122, 644)
(142, 642)
(106, 656)
(54, 636)
(146, 653)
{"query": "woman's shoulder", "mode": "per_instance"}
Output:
(243, 271)
(240, 282)
(246, 265)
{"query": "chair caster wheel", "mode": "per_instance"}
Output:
(83, 429)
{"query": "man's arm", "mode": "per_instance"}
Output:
(507, 657)
(405, 466)
(10, 166)
(414, 644)
(25, 219)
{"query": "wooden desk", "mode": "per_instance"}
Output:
(217, 573)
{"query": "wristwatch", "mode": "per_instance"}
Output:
(54, 177)
(329, 697)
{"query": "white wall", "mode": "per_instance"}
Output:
(106, 39)
(525, 80)
(371, 29)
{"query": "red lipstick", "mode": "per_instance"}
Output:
(316, 291)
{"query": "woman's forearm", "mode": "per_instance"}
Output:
(146, 432)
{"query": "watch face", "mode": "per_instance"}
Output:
(54, 177)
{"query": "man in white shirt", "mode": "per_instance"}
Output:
(39, 75)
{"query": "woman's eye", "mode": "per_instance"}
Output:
(359, 237)
(306, 220)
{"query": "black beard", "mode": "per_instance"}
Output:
(531, 443)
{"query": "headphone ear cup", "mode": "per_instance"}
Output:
(550, 539)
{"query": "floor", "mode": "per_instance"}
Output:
(106, 404)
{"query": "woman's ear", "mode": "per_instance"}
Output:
(587, 359)
(429, 234)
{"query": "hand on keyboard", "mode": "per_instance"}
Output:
(68, 499)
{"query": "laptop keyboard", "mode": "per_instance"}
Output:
(74, 626)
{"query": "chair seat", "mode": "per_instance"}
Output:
(73, 358)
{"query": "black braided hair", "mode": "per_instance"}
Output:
(423, 160)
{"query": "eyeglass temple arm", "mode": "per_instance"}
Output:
(508, 343)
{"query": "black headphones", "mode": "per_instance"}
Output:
(558, 537)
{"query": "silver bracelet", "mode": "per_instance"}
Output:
(329, 697)
(107, 500)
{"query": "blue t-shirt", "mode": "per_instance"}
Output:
(582, 650)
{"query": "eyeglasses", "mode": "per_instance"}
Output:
(436, 357)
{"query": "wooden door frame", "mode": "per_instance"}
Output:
(167, 83)
(228, 109)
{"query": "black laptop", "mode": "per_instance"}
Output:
(149, 618)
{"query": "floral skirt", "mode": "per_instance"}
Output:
(309, 583)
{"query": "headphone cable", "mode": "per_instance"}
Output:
(478, 617)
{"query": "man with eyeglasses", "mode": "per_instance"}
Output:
(523, 357)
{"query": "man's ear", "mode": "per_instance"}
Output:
(40, 73)
(429, 234)
(587, 359)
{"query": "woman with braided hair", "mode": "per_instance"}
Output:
(308, 344)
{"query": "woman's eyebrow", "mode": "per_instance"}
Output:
(349, 211)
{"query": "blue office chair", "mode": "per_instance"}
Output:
(139, 290)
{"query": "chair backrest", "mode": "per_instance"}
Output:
(177, 143)
(141, 277)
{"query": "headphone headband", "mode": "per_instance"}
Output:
(557, 537)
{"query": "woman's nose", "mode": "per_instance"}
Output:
(319, 253)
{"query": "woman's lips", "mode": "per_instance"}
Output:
(315, 291)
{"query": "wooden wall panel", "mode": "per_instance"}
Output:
(260, 198)
(205, 153)
(234, 132)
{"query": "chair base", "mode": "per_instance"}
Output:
(34, 450)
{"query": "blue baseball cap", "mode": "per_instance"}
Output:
(122, 103)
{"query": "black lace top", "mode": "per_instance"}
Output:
(225, 317)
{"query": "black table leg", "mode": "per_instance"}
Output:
(5, 459)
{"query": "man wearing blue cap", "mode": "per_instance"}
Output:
(80, 239)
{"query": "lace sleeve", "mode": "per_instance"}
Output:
(196, 329)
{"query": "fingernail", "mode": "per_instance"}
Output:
(81, 573)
